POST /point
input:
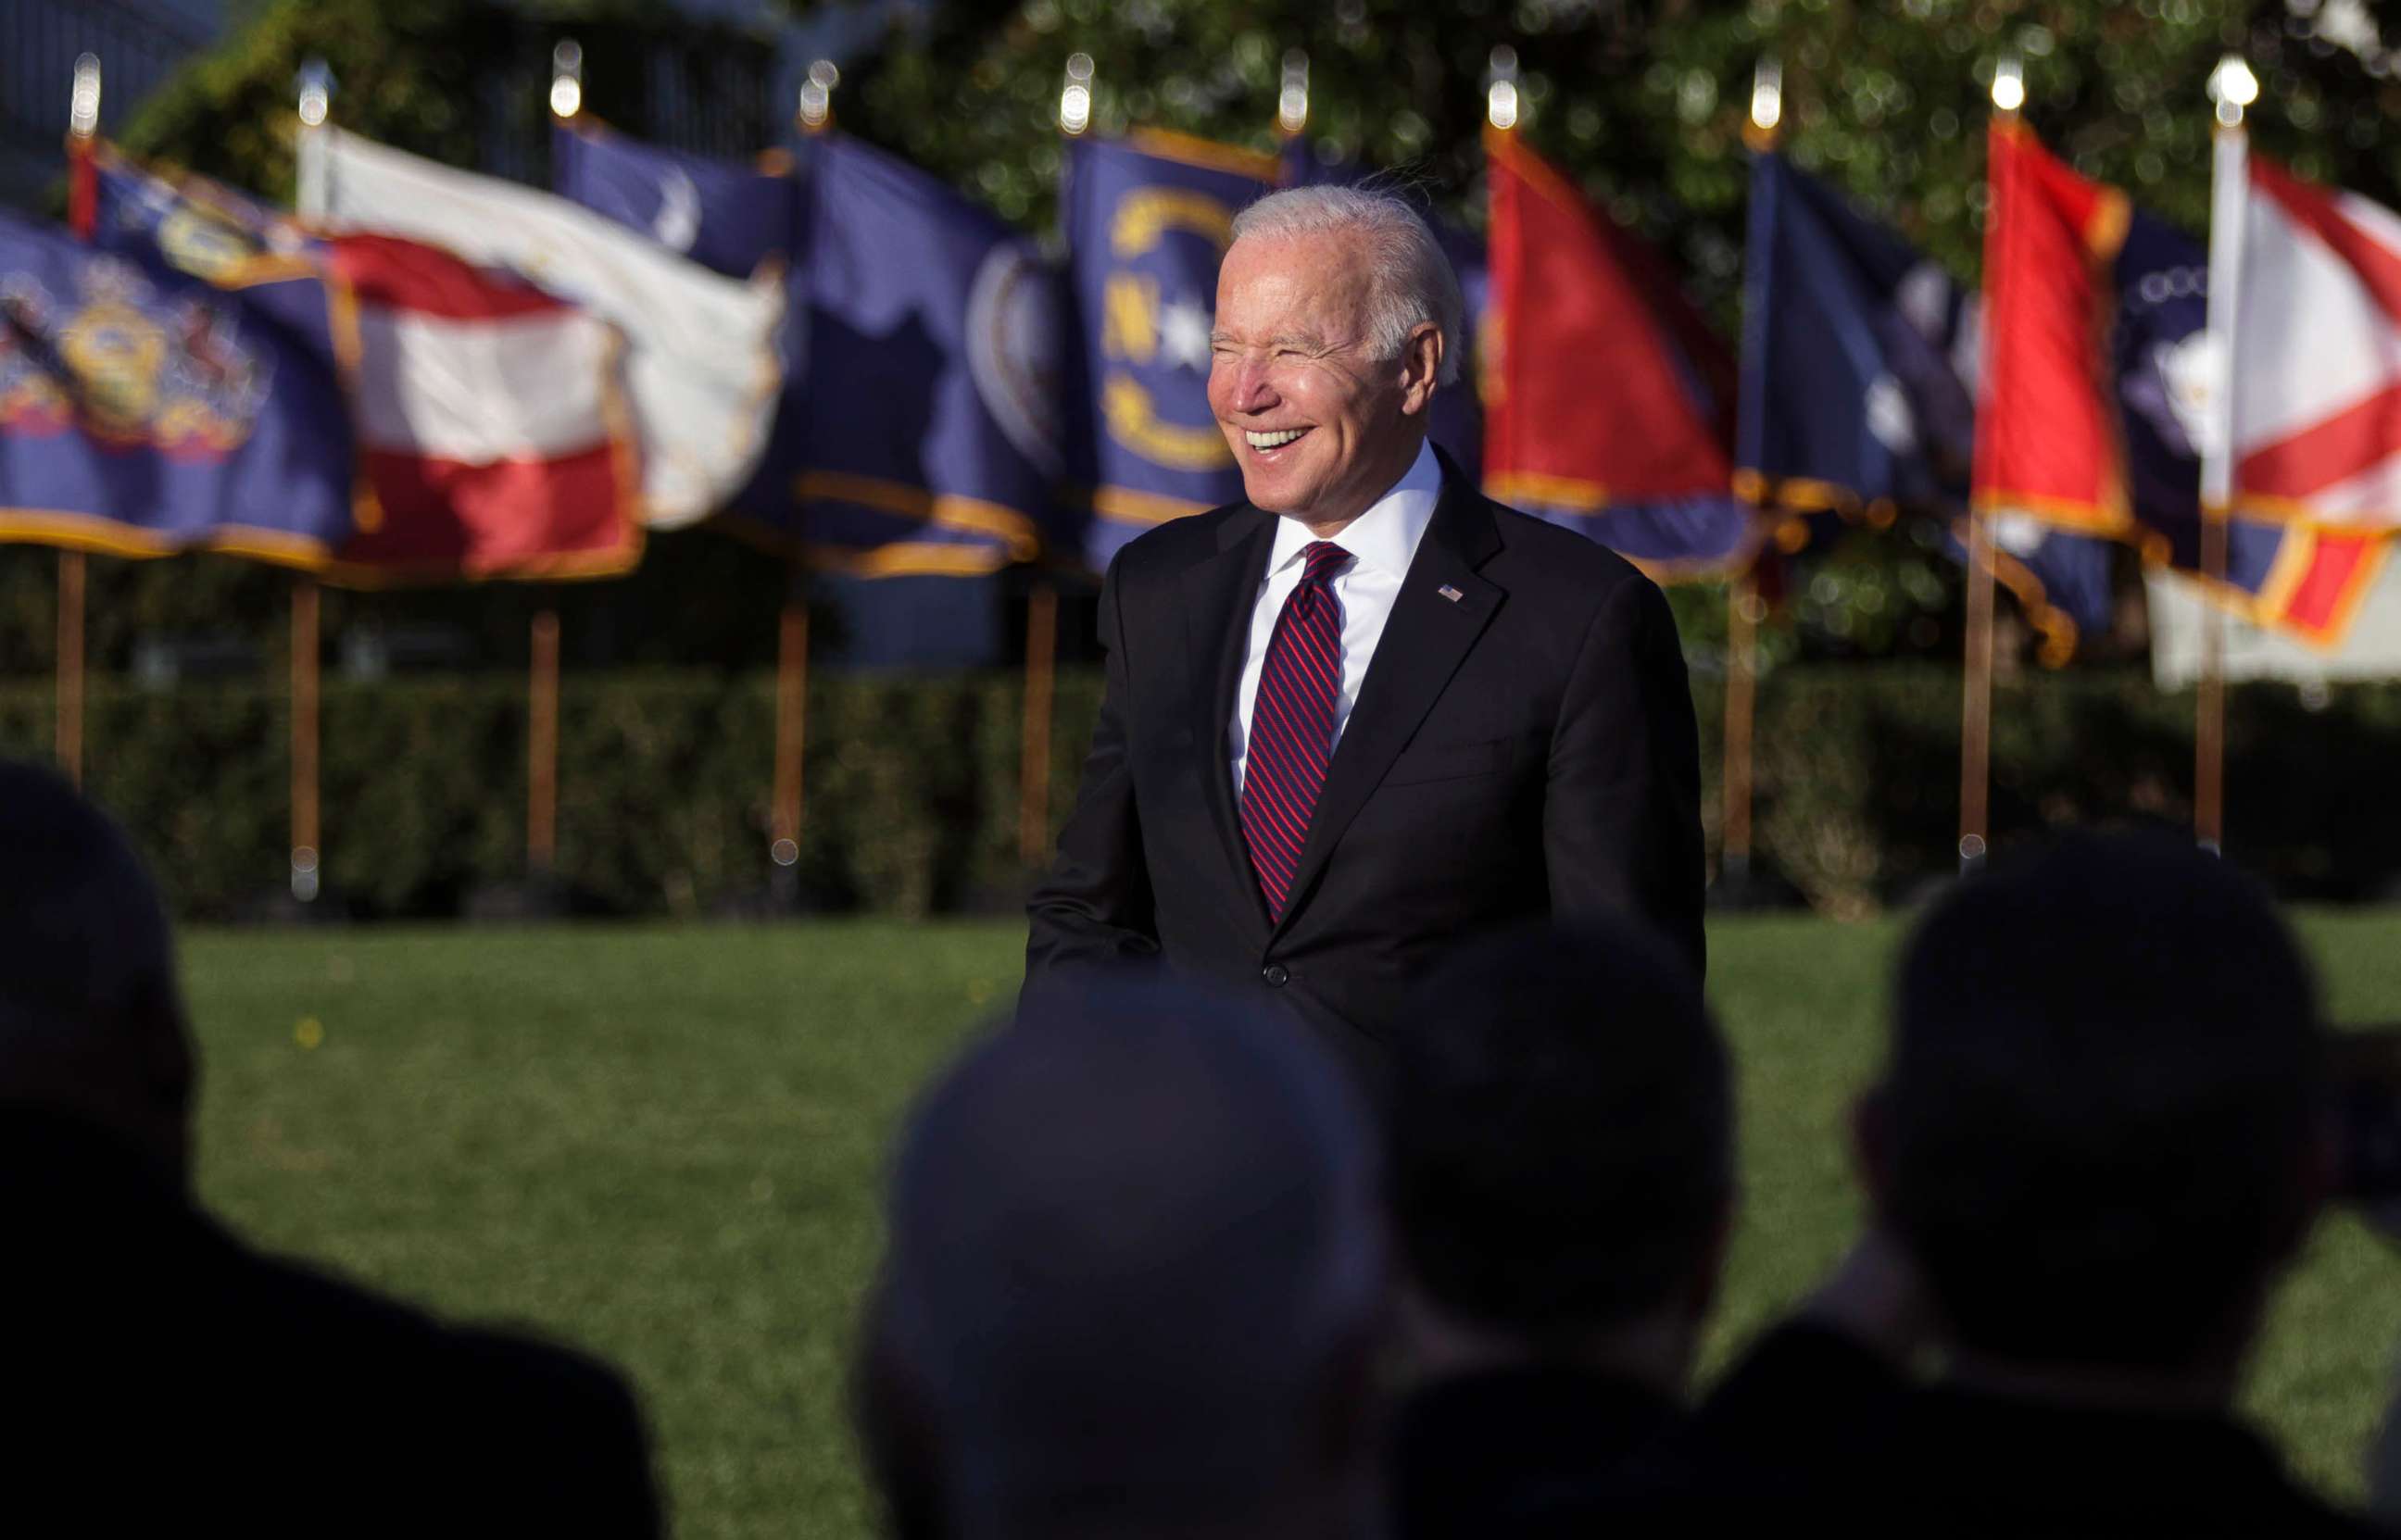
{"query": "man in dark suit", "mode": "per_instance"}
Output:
(1367, 710)
(163, 1377)
(2101, 1137)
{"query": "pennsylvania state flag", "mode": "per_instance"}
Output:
(1857, 393)
(1147, 219)
(146, 411)
(919, 429)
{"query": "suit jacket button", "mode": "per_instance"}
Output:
(1277, 974)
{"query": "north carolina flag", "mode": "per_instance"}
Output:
(2317, 356)
(487, 417)
(1607, 401)
(703, 362)
(1147, 219)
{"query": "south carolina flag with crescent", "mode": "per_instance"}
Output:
(703, 365)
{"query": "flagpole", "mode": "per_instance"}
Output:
(1743, 606)
(814, 116)
(1976, 705)
(315, 83)
(2233, 87)
(792, 734)
(83, 123)
(1291, 100)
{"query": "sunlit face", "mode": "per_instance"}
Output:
(1319, 427)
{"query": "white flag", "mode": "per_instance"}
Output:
(702, 366)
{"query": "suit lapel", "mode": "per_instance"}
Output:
(1424, 641)
(1219, 593)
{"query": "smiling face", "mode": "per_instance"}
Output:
(1320, 424)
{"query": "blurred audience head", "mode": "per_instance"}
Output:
(1561, 1140)
(2103, 1126)
(91, 1023)
(1135, 1282)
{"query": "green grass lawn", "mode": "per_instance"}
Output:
(665, 1143)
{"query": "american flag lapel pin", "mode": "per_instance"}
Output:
(1449, 592)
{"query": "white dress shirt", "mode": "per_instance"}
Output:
(1382, 542)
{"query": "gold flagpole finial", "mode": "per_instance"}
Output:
(817, 96)
(1767, 103)
(83, 101)
(1501, 89)
(1292, 102)
(566, 79)
(1075, 96)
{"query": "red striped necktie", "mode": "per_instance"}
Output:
(1292, 724)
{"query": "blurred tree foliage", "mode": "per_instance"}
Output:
(1644, 100)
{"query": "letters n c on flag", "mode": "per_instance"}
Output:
(703, 363)
(1147, 219)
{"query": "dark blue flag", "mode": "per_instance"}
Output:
(145, 409)
(2157, 352)
(1146, 220)
(723, 215)
(1457, 424)
(919, 429)
(1856, 393)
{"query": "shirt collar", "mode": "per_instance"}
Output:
(1386, 536)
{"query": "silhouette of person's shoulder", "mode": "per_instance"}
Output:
(182, 1374)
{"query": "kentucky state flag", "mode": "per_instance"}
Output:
(1457, 422)
(1856, 400)
(918, 430)
(144, 411)
(1607, 401)
(1146, 220)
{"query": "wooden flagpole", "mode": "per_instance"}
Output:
(542, 745)
(305, 641)
(1976, 692)
(791, 724)
(1034, 763)
(1741, 715)
(2234, 88)
(70, 667)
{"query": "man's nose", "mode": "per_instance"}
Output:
(1251, 389)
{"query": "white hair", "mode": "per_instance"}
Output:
(1411, 282)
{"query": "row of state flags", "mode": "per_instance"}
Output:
(440, 373)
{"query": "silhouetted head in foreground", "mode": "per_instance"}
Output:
(1134, 1281)
(1561, 1137)
(2101, 1130)
(91, 1022)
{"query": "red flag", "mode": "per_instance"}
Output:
(492, 428)
(2046, 446)
(1590, 389)
(1608, 402)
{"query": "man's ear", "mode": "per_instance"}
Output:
(1421, 367)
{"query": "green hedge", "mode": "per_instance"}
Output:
(913, 797)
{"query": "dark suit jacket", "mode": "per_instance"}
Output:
(1524, 750)
(165, 1379)
(1492, 1452)
(1814, 1433)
